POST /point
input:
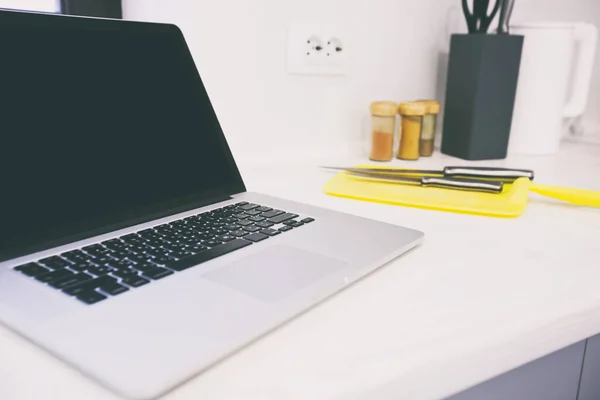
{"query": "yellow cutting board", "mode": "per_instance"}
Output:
(509, 204)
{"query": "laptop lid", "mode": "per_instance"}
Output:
(103, 124)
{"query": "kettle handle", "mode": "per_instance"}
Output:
(586, 36)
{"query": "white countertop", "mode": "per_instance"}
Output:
(481, 296)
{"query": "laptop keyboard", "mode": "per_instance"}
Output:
(100, 271)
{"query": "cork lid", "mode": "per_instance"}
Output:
(412, 109)
(432, 106)
(384, 108)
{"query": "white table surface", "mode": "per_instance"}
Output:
(481, 296)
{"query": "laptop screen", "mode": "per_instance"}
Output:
(103, 124)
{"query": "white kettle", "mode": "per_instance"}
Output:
(543, 112)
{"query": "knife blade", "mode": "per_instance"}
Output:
(506, 175)
(437, 182)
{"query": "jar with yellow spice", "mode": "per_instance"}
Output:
(383, 126)
(412, 123)
(429, 127)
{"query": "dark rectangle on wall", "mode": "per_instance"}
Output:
(93, 8)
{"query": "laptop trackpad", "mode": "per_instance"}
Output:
(275, 273)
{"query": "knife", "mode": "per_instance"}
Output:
(505, 15)
(443, 183)
(506, 175)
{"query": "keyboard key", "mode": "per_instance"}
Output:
(91, 297)
(135, 281)
(256, 237)
(87, 286)
(242, 216)
(75, 255)
(208, 255)
(80, 266)
(99, 271)
(156, 273)
(285, 228)
(243, 203)
(55, 275)
(198, 248)
(282, 218)
(253, 213)
(32, 269)
(226, 238)
(297, 224)
(139, 258)
(103, 260)
(120, 254)
(204, 237)
(113, 289)
(178, 254)
(257, 219)
(238, 233)
(247, 207)
(251, 228)
(245, 223)
(270, 232)
(290, 222)
(165, 259)
(120, 264)
(144, 267)
(211, 243)
(125, 274)
(54, 262)
(263, 209)
(265, 224)
(110, 242)
(231, 227)
(272, 213)
(307, 220)
(70, 281)
(96, 249)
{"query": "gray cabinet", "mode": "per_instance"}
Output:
(554, 377)
(590, 376)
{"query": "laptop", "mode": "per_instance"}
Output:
(129, 245)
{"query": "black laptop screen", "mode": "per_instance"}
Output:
(102, 124)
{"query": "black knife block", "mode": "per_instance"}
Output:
(483, 73)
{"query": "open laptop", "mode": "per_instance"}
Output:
(129, 246)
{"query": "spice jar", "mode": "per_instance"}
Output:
(429, 127)
(383, 127)
(412, 122)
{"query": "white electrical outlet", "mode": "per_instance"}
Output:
(317, 50)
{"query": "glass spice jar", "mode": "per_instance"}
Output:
(383, 128)
(412, 123)
(432, 111)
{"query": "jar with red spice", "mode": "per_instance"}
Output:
(383, 128)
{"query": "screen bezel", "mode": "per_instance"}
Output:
(156, 211)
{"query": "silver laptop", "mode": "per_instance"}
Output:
(129, 246)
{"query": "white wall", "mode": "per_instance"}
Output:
(33, 5)
(240, 47)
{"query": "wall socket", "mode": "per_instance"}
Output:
(317, 50)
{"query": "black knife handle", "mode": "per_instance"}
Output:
(503, 20)
(506, 175)
(463, 184)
